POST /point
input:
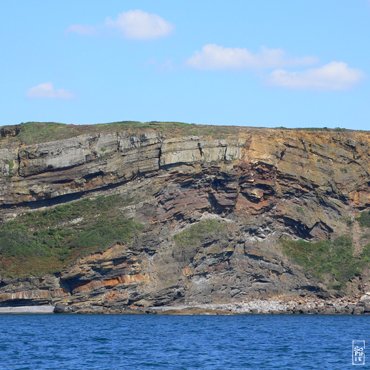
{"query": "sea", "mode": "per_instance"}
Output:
(57, 341)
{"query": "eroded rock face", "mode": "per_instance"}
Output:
(263, 184)
(335, 163)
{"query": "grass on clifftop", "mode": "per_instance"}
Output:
(330, 261)
(46, 241)
(40, 132)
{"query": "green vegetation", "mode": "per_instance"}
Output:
(325, 129)
(340, 129)
(46, 241)
(11, 167)
(300, 210)
(329, 260)
(348, 220)
(199, 232)
(364, 219)
(189, 240)
(311, 128)
(39, 132)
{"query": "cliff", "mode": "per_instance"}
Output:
(129, 216)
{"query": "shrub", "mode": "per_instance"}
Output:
(197, 233)
(364, 219)
(46, 241)
(329, 260)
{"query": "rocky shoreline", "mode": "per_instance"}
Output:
(321, 307)
(257, 306)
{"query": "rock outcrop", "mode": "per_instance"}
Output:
(249, 189)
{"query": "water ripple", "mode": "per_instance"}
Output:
(178, 342)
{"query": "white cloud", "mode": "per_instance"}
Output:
(81, 29)
(47, 90)
(331, 76)
(214, 57)
(137, 24)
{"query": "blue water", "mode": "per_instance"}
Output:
(76, 342)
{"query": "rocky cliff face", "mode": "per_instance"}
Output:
(214, 211)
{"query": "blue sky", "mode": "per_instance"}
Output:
(258, 63)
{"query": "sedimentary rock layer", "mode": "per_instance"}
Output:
(260, 185)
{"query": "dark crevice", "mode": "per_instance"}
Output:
(177, 164)
(255, 257)
(263, 167)
(69, 285)
(118, 261)
(24, 302)
(65, 285)
(324, 227)
(217, 208)
(61, 181)
(267, 189)
(250, 197)
(200, 149)
(297, 227)
(159, 157)
(49, 169)
(311, 288)
(19, 164)
(288, 145)
(304, 145)
(330, 205)
(323, 156)
(225, 154)
(93, 175)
